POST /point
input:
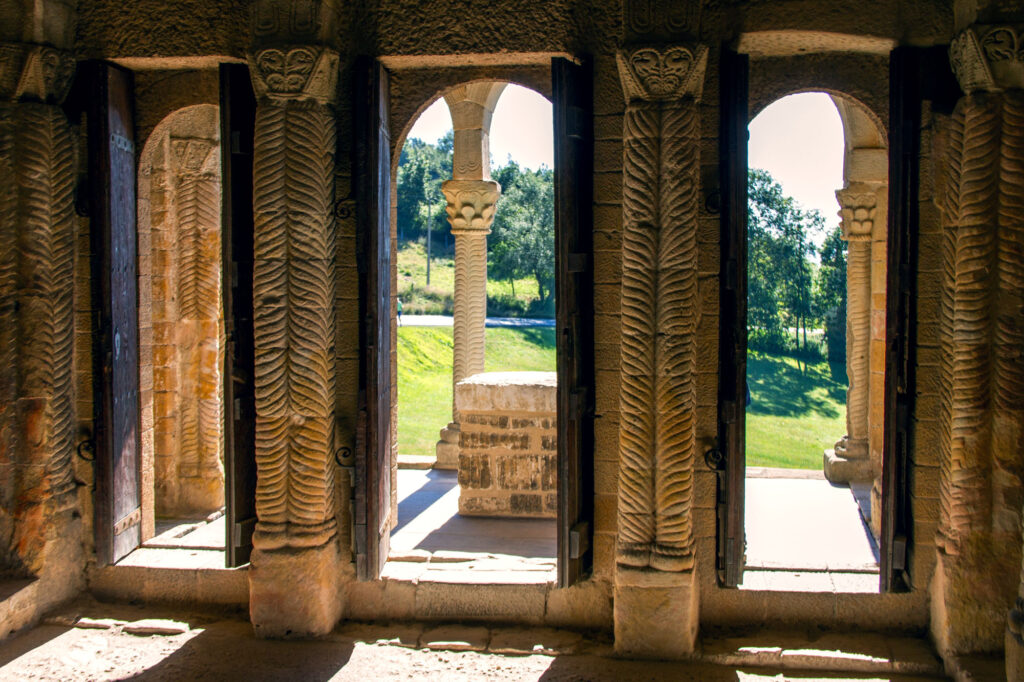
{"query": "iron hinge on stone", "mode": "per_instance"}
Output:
(899, 553)
(132, 519)
(579, 540)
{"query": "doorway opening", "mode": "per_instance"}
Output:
(475, 310)
(816, 275)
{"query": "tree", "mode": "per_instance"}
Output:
(780, 272)
(522, 241)
(422, 168)
(830, 293)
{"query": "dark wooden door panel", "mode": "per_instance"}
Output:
(730, 458)
(112, 157)
(573, 135)
(373, 190)
(237, 134)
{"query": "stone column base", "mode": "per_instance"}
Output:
(447, 449)
(295, 593)
(844, 467)
(1015, 642)
(656, 614)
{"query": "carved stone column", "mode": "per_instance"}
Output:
(849, 461)
(471, 200)
(200, 473)
(982, 399)
(40, 524)
(295, 571)
(656, 591)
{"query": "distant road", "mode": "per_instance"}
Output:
(446, 321)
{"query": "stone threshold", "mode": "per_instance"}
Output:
(469, 568)
(416, 461)
(826, 582)
(868, 652)
(165, 575)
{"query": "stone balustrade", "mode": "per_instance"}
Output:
(508, 444)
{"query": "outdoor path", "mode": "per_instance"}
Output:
(446, 321)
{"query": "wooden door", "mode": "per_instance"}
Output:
(373, 191)
(574, 299)
(237, 134)
(111, 142)
(729, 460)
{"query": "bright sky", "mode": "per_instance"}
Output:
(521, 127)
(799, 140)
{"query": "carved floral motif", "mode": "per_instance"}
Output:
(35, 73)
(663, 73)
(471, 204)
(858, 214)
(988, 58)
(298, 73)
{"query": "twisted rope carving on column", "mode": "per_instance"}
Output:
(641, 166)
(970, 256)
(858, 330)
(660, 307)
(470, 304)
(45, 170)
(294, 286)
(1009, 335)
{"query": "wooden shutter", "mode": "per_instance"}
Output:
(373, 447)
(915, 74)
(729, 460)
(111, 134)
(237, 133)
(574, 295)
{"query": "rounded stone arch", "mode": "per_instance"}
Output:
(181, 315)
(863, 208)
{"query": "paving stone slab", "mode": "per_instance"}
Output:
(97, 623)
(155, 626)
(527, 641)
(456, 638)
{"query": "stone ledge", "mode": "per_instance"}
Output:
(508, 392)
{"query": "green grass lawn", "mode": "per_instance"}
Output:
(793, 414)
(418, 298)
(425, 375)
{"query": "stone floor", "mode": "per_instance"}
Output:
(89, 640)
(428, 521)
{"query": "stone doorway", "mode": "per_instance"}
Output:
(815, 525)
(488, 487)
(179, 223)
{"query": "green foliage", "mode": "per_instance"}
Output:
(521, 245)
(830, 293)
(422, 167)
(522, 241)
(780, 268)
(425, 375)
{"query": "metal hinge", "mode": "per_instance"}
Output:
(579, 540)
(133, 519)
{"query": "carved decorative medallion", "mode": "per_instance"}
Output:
(663, 73)
(297, 73)
(471, 204)
(988, 58)
(35, 73)
(857, 213)
(191, 153)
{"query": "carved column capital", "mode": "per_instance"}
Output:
(471, 205)
(662, 73)
(295, 73)
(857, 210)
(191, 154)
(989, 57)
(35, 73)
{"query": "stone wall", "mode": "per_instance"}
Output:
(508, 444)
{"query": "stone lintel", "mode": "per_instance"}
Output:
(296, 593)
(657, 614)
(508, 392)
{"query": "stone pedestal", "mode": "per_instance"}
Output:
(295, 593)
(447, 449)
(508, 449)
(656, 614)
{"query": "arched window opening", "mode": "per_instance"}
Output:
(815, 369)
(476, 427)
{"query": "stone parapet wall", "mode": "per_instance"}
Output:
(508, 444)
